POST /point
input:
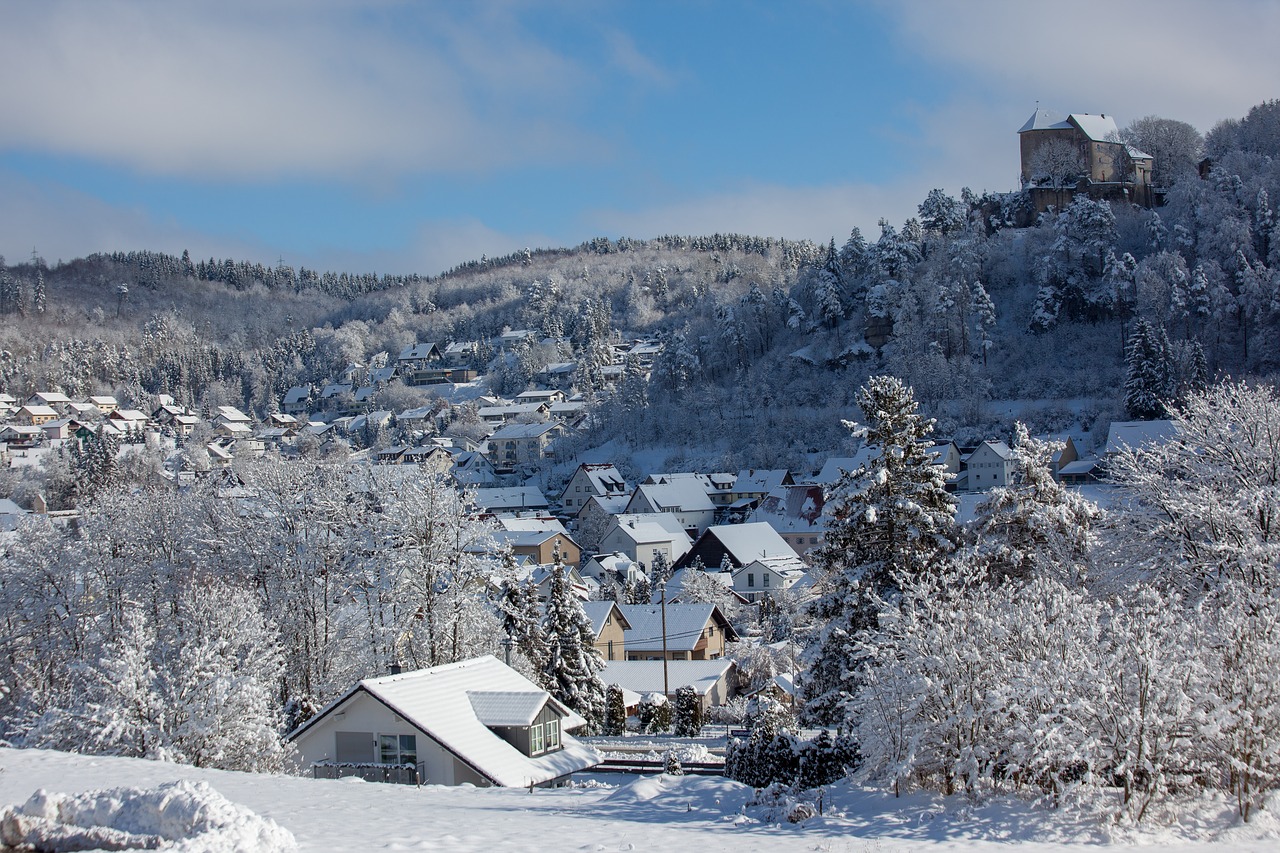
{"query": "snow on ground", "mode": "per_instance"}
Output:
(611, 813)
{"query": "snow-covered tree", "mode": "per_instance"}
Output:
(1148, 385)
(890, 518)
(571, 672)
(1035, 525)
(1203, 507)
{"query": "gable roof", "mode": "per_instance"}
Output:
(645, 676)
(685, 624)
(685, 495)
(750, 541)
(439, 701)
(1138, 435)
(598, 612)
(1043, 119)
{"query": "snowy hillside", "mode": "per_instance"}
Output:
(628, 813)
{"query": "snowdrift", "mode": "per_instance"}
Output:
(186, 816)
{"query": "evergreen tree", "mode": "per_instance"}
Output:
(571, 671)
(521, 620)
(1148, 383)
(688, 714)
(890, 518)
(615, 712)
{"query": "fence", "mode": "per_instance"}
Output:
(394, 774)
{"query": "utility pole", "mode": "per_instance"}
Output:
(666, 689)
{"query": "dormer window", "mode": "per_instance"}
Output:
(536, 744)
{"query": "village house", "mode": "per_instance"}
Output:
(714, 682)
(473, 722)
(989, 466)
(609, 627)
(736, 545)
(768, 576)
(538, 539)
(685, 498)
(516, 500)
(519, 445)
(55, 400)
(106, 403)
(693, 632)
(36, 414)
(647, 537)
(591, 480)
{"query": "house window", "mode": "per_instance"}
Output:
(766, 580)
(398, 749)
(610, 657)
(751, 580)
(535, 739)
(553, 734)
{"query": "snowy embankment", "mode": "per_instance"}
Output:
(629, 813)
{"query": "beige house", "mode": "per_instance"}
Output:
(515, 445)
(610, 628)
(691, 632)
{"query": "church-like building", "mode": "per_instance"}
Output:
(1081, 152)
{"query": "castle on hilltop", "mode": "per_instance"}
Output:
(1063, 156)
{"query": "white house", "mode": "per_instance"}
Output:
(767, 576)
(591, 480)
(645, 537)
(685, 498)
(477, 721)
(715, 681)
(990, 466)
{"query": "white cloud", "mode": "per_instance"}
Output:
(253, 91)
(1180, 59)
(62, 224)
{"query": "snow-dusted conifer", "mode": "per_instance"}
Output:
(1034, 525)
(1147, 385)
(688, 712)
(890, 518)
(571, 671)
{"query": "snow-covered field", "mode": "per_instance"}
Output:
(629, 813)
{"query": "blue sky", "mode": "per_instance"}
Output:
(410, 136)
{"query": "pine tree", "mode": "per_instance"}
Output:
(1148, 384)
(890, 518)
(571, 671)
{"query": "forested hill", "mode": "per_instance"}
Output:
(764, 339)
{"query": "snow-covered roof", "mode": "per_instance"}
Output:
(1043, 119)
(418, 352)
(1137, 435)
(297, 394)
(678, 495)
(508, 432)
(999, 448)
(507, 707)
(520, 497)
(833, 467)
(685, 623)
(759, 480)
(750, 541)
(441, 702)
(645, 676)
(598, 612)
(651, 527)
(1099, 128)
(792, 507)
(1079, 466)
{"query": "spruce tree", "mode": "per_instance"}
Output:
(1148, 383)
(571, 671)
(521, 620)
(890, 518)
(615, 715)
(688, 715)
